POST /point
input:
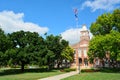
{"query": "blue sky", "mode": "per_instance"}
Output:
(52, 16)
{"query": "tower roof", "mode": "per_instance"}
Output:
(84, 28)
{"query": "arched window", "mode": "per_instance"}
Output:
(80, 60)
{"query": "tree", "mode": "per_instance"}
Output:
(5, 44)
(27, 47)
(48, 58)
(63, 44)
(106, 31)
(55, 46)
(21, 48)
(100, 44)
(10, 56)
(4, 41)
(106, 22)
(2, 37)
(116, 20)
(67, 54)
(114, 40)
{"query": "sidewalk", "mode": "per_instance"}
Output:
(61, 76)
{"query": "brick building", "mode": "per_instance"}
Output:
(81, 57)
(80, 50)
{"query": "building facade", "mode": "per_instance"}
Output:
(81, 49)
(81, 57)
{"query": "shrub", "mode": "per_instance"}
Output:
(68, 69)
(90, 70)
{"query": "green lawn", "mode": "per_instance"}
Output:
(95, 76)
(27, 75)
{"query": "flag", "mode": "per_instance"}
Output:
(76, 13)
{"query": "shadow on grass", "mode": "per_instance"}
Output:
(110, 70)
(18, 71)
(104, 70)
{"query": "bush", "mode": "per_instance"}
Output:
(90, 70)
(68, 69)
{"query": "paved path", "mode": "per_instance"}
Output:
(61, 76)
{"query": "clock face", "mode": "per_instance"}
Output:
(84, 34)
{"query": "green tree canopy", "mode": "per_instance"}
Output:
(100, 44)
(106, 22)
(24, 47)
(27, 46)
(68, 54)
(55, 44)
(106, 32)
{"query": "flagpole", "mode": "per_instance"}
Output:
(76, 17)
(77, 23)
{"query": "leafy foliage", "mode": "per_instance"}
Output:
(68, 53)
(100, 44)
(106, 31)
(24, 47)
(106, 22)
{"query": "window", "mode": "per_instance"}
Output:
(85, 62)
(79, 52)
(85, 52)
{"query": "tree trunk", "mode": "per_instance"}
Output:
(22, 67)
(58, 65)
(66, 64)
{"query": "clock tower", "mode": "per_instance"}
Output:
(81, 49)
(84, 34)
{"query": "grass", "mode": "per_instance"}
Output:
(38, 73)
(28, 74)
(95, 76)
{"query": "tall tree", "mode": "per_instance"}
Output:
(26, 45)
(106, 31)
(56, 45)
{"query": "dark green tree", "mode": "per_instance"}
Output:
(5, 44)
(27, 47)
(56, 45)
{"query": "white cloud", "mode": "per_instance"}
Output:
(101, 4)
(11, 22)
(71, 35)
